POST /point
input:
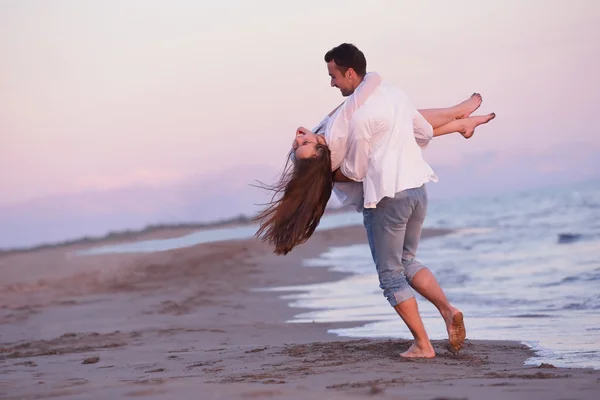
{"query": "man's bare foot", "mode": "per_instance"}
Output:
(455, 326)
(425, 351)
(469, 124)
(467, 107)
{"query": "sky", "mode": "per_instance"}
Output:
(105, 94)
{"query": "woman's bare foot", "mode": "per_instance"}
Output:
(467, 107)
(423, 351)
(469, 124)
(455, 326)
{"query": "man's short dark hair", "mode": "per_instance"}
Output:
(347, 55)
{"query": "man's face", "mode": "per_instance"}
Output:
(342, 81)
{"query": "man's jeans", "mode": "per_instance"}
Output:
(394, 230)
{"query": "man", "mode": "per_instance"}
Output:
(383, 155)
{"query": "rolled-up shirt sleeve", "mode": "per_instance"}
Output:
(356, 162)
(422, 129)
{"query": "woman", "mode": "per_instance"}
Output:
(302, 193)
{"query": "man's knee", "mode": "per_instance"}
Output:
(411, 267)
(396, 288)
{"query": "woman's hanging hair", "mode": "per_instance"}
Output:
(298, 202)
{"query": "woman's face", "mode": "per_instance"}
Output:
(304, 144)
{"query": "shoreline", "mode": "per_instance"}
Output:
(182, 321)
(149, 232)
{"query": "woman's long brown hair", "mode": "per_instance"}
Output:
(298, 201)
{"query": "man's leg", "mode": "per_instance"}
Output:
(386, 228)
(441, 116)
(420, 277)
(368, 223)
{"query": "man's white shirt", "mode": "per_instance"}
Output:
(378, 145)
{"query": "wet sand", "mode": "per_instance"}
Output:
(187, 324)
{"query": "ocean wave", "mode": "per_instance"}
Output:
(569, 237)
(532, 316)
(586, 305)
(582, 277)
(472, 231)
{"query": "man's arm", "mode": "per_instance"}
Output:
(356, 161)
(423, 130)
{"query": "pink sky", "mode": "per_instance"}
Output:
(102, 94)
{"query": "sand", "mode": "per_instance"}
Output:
(188, 324)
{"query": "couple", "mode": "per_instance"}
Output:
(368, 150)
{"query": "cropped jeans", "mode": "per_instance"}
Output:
(394, 231)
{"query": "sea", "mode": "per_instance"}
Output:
(522, 266)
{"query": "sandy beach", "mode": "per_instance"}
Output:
(187, 324)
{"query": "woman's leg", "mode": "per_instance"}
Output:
(465, 126)
(441, 116)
